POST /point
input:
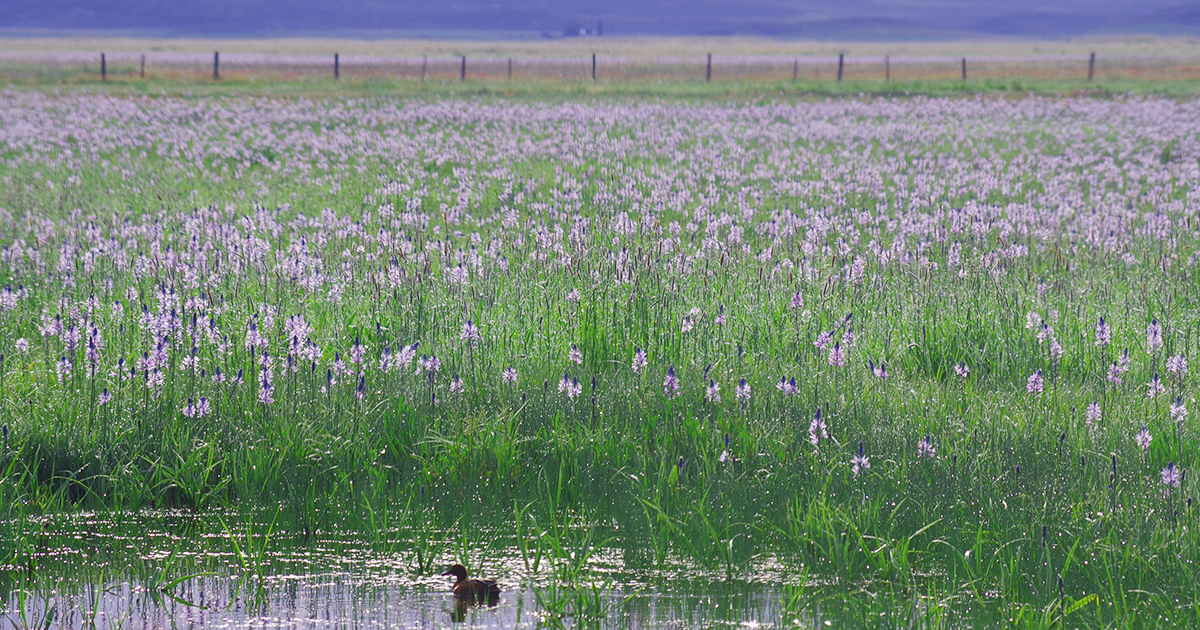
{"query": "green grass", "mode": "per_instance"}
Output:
(1021, 492)
(568, 90)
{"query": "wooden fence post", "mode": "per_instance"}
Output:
(708, 69)
(424, 66)
(510, 68)
(216, 66)
(337, 71)
(887, 68)
(1091, 67)
(795, 69)
(964, 68)
(142, 70)
(462, 73)
(103, 68)
(841, 65)
(593, 67)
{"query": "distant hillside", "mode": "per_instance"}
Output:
(851, 19)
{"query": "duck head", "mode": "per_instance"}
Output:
(458, 571)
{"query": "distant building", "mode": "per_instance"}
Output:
(574, 29)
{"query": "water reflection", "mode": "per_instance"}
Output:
(169, 570)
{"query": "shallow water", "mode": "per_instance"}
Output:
(132, 571)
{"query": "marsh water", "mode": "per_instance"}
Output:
(182, 570)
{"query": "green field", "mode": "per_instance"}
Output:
(915, 354)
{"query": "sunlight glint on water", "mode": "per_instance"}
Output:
(330, 583)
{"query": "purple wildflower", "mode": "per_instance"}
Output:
(878, 370)
(1177, 366)
(743, 390)
(859, 462)
(671, 384)
(1143, 439)
(509, 376)
(837, 358)
(1035, 384)
(1170, 476)
(1103, 334)
(1179, 410)
(1154, 387)
(925, 448)
(575, 356)
(266, 392)
(357, 351)
(470, 333)
(639, 360)
(1154, 340)
(817, 430)
(430, 364)
(712, 393)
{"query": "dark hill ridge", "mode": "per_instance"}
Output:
(778, 18)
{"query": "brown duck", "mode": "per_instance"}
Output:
(473, 590)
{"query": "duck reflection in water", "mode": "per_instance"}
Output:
(471, 592)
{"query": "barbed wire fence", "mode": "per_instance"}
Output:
(713, 67)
